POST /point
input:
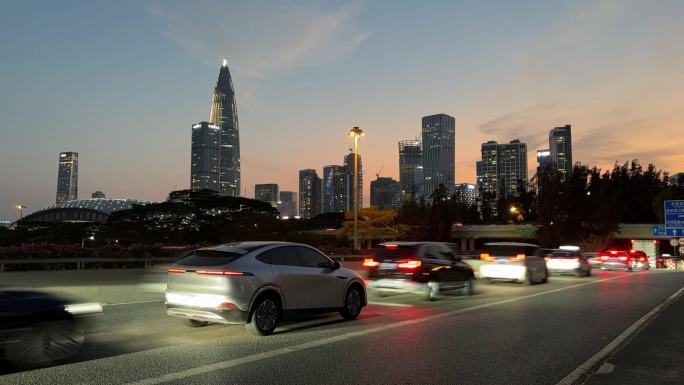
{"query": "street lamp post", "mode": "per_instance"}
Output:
(21, 208)
(356, 133)
(92, 238)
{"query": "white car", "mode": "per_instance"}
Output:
(512, 261)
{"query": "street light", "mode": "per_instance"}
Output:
(91, 238)
(356, 133)
(513, 210)
(21, 208)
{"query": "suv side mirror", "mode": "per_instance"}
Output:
(336, 265)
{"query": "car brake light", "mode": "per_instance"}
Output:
(642, 259)
(392, 247)
(174, 270)
(370, 262)
(409, 264)
(623, 258)
(486, 257)
(227, 305)
(517, 258)
(219, 272)
(605, 257)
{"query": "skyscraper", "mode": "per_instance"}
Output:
(224, 115)
(335, 188)
(287, 204)
(489, 182)
(479, 173)
(205, 157)
(349, 166)
(504, 168)
(560, 144)
(543, 159)
(267, 192)
(438, 152)
(309, 193)
(385, 193)
(67, 177)
(512, 168)
(411, 177)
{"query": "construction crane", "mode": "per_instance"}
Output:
(377, 174)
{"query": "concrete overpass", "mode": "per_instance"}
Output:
(468, 235)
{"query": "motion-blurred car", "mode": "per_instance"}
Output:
(615, 260)
(523, 262)
(258, 284)
(639, 260)
(425, 268)
(567, 260)
(39, 329)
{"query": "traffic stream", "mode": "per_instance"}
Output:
(506, 333)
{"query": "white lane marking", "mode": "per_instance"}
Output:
(221, 365)
(395, 304)
(586, 367)
(132, 303)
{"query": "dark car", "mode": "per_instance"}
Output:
(39, 329)
(425, 268)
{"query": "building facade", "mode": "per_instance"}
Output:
(349, 166)
(677, 179)
(438, 133)
(336, 189)
(205, 157)
(543, 159)
(466, 194)
(267, 192)
(411, 176)
(309, 194)
(224, 115)
(67, 177)
(385, 193)
(560, 145)
(503, 169)
(287, 206)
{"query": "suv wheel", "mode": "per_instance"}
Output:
(352, 304)
(432, 291)
(264, 317)
(468, 287)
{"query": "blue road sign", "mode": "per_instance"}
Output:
(674, 218)
(659, 230)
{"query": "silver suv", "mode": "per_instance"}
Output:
(259, 283)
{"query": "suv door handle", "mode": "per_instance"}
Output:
(341, 277)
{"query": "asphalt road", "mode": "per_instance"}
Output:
(506, 334)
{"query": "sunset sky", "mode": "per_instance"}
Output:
(121, 83)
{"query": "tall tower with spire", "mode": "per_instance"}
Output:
(224, 115)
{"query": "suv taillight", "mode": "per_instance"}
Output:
(409, 264)
(370, 262)
(220, 272)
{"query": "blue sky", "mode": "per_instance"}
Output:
(122, 82)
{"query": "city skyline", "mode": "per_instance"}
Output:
(135, 137)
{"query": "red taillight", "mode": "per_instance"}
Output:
(613, 252)
(623, 259)
(409, 264)
(642, 259)
(227, 305)
(370, 262)
(605, 257)
(391, 247)
(174, 270)
(219, 272)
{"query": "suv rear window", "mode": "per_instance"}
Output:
(510, 250)
(395, 252)
(208, 258)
